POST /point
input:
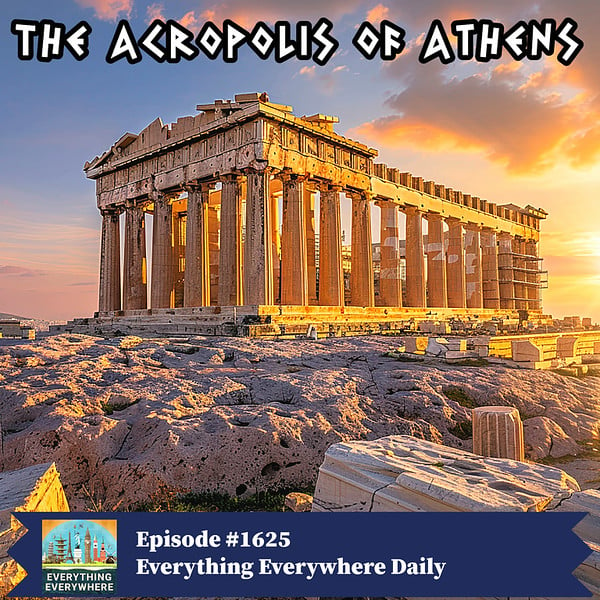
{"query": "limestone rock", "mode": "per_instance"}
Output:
(543, 437)
(401, 473)
(126, 424)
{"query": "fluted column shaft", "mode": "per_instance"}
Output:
(390, 283)
(505, 270)
(134, 268)
(258, 257)
(361, 276)
(311, 261)
(230, 253)
(415, 258)
(455, 265)
(163, 254)
(331, 274)
(533, 291)
(294, 281)
(489, 269)
(473, 275)
(110, 263)
(196, 285)
(437, 287)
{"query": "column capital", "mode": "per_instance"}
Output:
(473, 226)
(198, 186)
(324, 186)
(360, 195)
(433, 217)
(454, 221)
(112, 211)
(411, 210)
(288, 175)
(385, 203)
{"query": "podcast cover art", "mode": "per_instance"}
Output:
(79, 557)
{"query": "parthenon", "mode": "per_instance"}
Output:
(246, 203)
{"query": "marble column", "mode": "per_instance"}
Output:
(489, 269)
(415, 258)
(533, 276)
(294, 281)
(196, 290)
(258, 251)
(505, 270)
(275, 242)
(519, 273)
(163, 254)
(110, 263)
(390, 282)
(473, 274)
(331, 275)
(135, 294)
(362, 291)
(230, 240)
(437, 287)
(311, 259)
(455, 265)
(179, 238)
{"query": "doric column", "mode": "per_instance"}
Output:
(309, 222)
(361, 276)
(163, 254)
(331, 273)
(390, 282)
(230, 253)
(275, 242)
(489, 269)
(455, 265)
(505, 270)
(258, 257)
(533, 276)
(415, 258)
(135, 295)
(437, 288)
(473, 276)
(519, 273)
(294, 282)
(196, 291)
(110, 263)
(179, 227)
(214, 228)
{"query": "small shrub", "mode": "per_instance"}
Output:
(462, 430)
(459, 395)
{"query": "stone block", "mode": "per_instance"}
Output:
(498, 432)
(416, 345)
(457, 345)
(434, 327)
(437, 347)
(566, 346)
(526, 351)
(298, 502)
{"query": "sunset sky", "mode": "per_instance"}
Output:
(511, 132)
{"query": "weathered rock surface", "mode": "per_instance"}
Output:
(122, 420)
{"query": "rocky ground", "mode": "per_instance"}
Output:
(125, 418)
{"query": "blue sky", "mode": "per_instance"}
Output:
(508, 132)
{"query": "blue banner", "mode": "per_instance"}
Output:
(300, 554)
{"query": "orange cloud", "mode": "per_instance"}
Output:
(378, 13)
(108, 10)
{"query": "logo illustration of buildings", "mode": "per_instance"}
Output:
(62, 548)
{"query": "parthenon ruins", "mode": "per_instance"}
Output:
(246, 203)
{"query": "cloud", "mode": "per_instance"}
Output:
(108, 10)
(308, 71)
(378, 13)
(527, 117)
(155, 11)
(15, 271)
